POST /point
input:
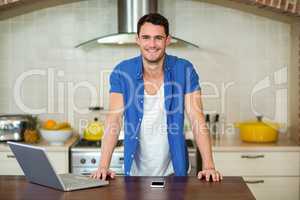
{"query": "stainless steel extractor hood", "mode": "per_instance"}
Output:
(129, 12)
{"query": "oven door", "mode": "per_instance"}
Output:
(88, 167)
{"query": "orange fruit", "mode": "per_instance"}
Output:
(49, 124)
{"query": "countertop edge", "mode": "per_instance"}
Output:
(50, 148)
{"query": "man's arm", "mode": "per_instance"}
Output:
(113, 124)
(194, 110)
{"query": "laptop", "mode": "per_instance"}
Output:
(38, 169)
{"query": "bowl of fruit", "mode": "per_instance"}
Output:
(56, 133)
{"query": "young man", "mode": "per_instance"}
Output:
(152, 91)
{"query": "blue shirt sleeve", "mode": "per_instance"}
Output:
(115, 81)
(192, 79)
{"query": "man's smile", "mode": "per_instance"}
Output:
(152, 50)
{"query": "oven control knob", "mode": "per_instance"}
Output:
(82, 161)
(93, 160)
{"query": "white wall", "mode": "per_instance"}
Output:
(238, 49)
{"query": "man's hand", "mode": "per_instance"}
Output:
(103, 173)
(207, 173)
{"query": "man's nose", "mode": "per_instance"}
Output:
(152, 42)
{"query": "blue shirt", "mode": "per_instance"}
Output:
(180, 78)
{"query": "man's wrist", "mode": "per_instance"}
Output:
(103, 167)
(209, 168)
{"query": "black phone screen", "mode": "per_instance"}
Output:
(157, 183)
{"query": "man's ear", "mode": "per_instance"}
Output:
(137, 39)
(168, 40)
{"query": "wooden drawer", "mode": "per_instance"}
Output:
(257, 163)
(275, 188)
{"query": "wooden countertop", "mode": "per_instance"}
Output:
(231, 188)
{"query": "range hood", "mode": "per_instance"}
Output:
(129, 12)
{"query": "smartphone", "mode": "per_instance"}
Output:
(158, 184)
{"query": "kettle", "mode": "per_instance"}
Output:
(95, 129)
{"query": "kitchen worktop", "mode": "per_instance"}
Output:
(44, 144)
(234, 143)
(225, 143)
(16, 187)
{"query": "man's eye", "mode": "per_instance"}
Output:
(159, 37)
(145, 37)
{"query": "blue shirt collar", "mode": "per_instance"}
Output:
(139, 73)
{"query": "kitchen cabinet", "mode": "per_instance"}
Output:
(58, 156)
(193, 163)
(12, 8)
(269, 174)
(10, 166)
(258, 163)
(264, 187)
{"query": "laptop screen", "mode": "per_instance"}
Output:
(35, 165)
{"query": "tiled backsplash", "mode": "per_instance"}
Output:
(241, 56)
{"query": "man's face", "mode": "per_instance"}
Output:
(153, 41)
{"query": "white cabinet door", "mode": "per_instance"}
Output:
(275, 188)
(269, 175)
(60, 161)
(10, 166)
(258, 163)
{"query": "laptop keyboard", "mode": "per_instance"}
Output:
(74, 181)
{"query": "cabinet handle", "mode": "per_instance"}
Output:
(252, 157)
(10, 156)
(85, 173)
(254, 182)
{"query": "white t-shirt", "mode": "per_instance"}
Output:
(152, 157)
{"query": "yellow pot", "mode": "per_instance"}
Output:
(258, 131)
(94, 131)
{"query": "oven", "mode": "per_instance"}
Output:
(85, 157)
